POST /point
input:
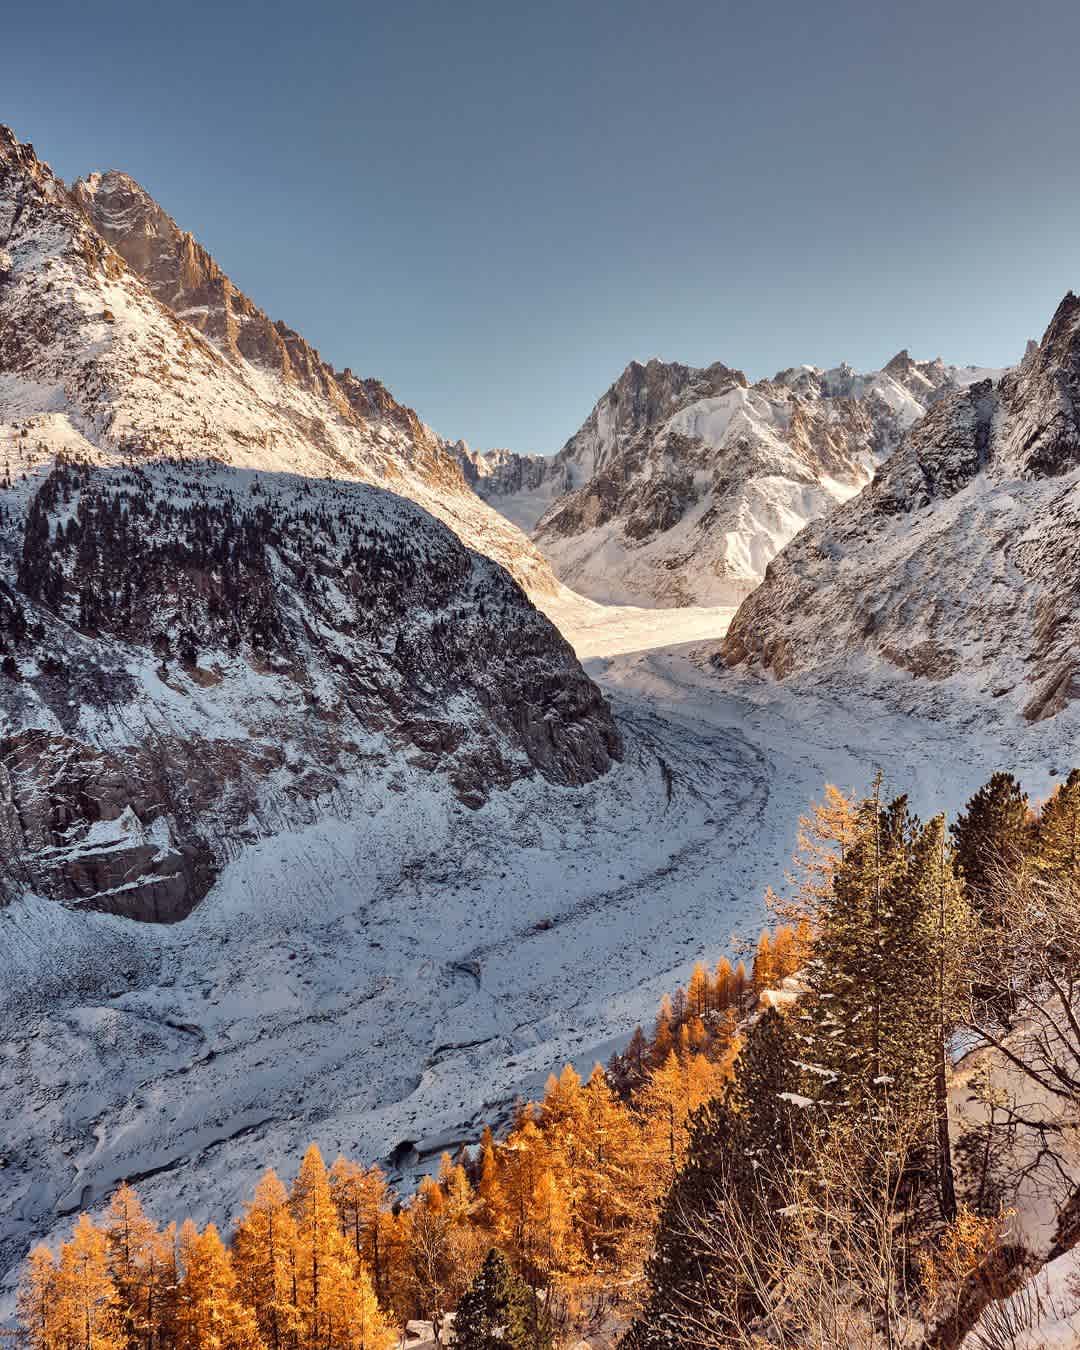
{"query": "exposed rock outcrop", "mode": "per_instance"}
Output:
(958, 562)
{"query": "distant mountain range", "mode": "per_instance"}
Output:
(683, 484)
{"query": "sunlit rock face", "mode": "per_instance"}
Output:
(684, 483)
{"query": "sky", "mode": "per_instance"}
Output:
(493, 207)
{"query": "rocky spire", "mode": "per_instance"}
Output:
(1042, 397)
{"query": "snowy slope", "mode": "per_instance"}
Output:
(1039, 1185)
(683, 484)
(390, 968)
(954, 573)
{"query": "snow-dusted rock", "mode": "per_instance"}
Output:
(683, 484)
(285, 407)
(957, 565)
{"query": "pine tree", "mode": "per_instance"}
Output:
(466, 1244)
(525, 1154)
(210, 1314)
(430, 1251)
(361, 1197)
(826, 833)
(1057, 847)
(491, 1197)
(697, 1036)
(135, 1263)
(662, 1103)
(634, 1059)
(347, 1186)
(991, 835)
(454, 1182)
(851, 1012)
(563, 1104)
(663, 1041)
(88, 1316)
(886, 978)
(494, 1313)
(936, 993)
(674, 1090)
(550, 1249)
(698, 991)
(613, 1193)
(320, 1246)
(355, 1319)
(992, 839)
(753, 1131)
(764, 970)
(722, 989)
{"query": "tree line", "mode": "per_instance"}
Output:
(699, 1158)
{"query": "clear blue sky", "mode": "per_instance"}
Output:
(494, 206)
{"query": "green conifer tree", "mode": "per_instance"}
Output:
(852, 1013)
(495, 1311)
(737, 1143)
(993, 833)
(931, 989)
(1058, 836)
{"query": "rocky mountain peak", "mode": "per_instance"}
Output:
(956, 563)
(14, 151)
(184, 276)
(20, 156)
(231, 581)
(653, 389)
(27, 183)
(683, 482)
(139, 295)
(1042, 398)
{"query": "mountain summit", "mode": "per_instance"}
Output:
(212, 621)
(183, 276)
(683, 483)
(956, 565)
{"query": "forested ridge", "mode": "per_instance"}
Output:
(778, 1162)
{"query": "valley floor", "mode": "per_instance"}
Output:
(389, 976)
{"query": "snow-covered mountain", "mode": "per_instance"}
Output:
(520, 486)
(277, 403)
(210, 619)
(683, 484)
(957, 566)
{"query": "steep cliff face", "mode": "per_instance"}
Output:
(522, 487)
(307, 407)
(957, 563)
(682, 484)
(210, 618)
(183, 276)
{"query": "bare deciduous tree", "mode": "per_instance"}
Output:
(1031, 953)
(830, 1259)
